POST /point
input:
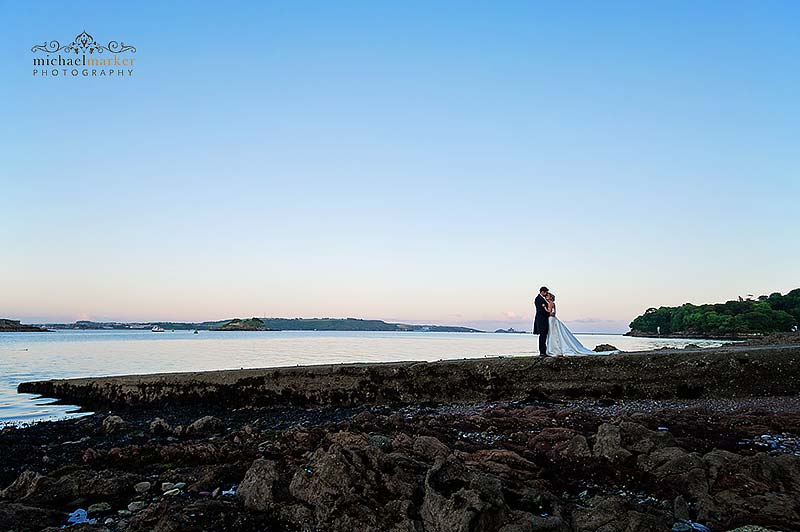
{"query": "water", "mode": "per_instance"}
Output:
(62, 354)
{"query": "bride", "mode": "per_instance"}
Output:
(560, 340)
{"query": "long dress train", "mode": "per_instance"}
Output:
(561, 341)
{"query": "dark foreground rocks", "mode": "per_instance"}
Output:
(512, 467)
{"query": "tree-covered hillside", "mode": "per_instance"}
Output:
(766, 314)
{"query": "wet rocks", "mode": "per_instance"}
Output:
(752, 528)
(342, 480)
(34, 488)
(510, 467)
(673, 466)
(159, 426)
(114, 425)
(608, 444)
(429, 447)
(381, 442)
(603, 348)
(615, 514)
(136, 506)
(704, 373)
(680, 508)
(259, 488)
(98, 508)
(204, 426)
(24, 518)
(458, 501)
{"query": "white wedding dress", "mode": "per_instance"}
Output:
(561, 341)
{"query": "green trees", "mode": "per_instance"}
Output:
(773, 313)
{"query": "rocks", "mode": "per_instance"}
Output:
(259, 488)
(680, 508)
(510, 467)
(33, 488)
(752, 528)
(114, 425)
(608, 444)
(204, 426)
(326, 482)
(98, 508)
(639, 439)
(441, 510)
(687, 525)
(674, 466)
(25, 486)
(603, 348)
(23, 518)
(503, 463)
(768, 370)
(612, 514)
(381, 442)
(159, 426)
(578, 447)
(430, 448)
(137, 506)
(460, 501)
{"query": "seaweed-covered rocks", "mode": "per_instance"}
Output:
(611, 466)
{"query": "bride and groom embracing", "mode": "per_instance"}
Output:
(554, 337)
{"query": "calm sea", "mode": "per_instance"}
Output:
(39, 356)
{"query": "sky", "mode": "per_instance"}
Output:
(425, 162)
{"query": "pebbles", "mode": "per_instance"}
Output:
(135, 506)
(774, 444)
(480, 437)
(99, 508)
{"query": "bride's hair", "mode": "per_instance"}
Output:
(552, 296)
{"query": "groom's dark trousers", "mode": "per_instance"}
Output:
(541, 323)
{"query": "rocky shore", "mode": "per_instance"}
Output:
(733, 371)
(581, 466)
(726, 459)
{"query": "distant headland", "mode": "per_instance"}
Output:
(249, 324)
(16, 326)
(736, 319)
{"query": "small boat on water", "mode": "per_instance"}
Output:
(195, 331)
(156, 328)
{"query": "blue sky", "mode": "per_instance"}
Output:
(414, 161)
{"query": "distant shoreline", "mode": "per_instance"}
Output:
(15, 326)
(249, 324)
(693, 336)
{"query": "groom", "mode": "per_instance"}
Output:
(541, 323)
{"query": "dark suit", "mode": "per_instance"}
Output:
(541, 323)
